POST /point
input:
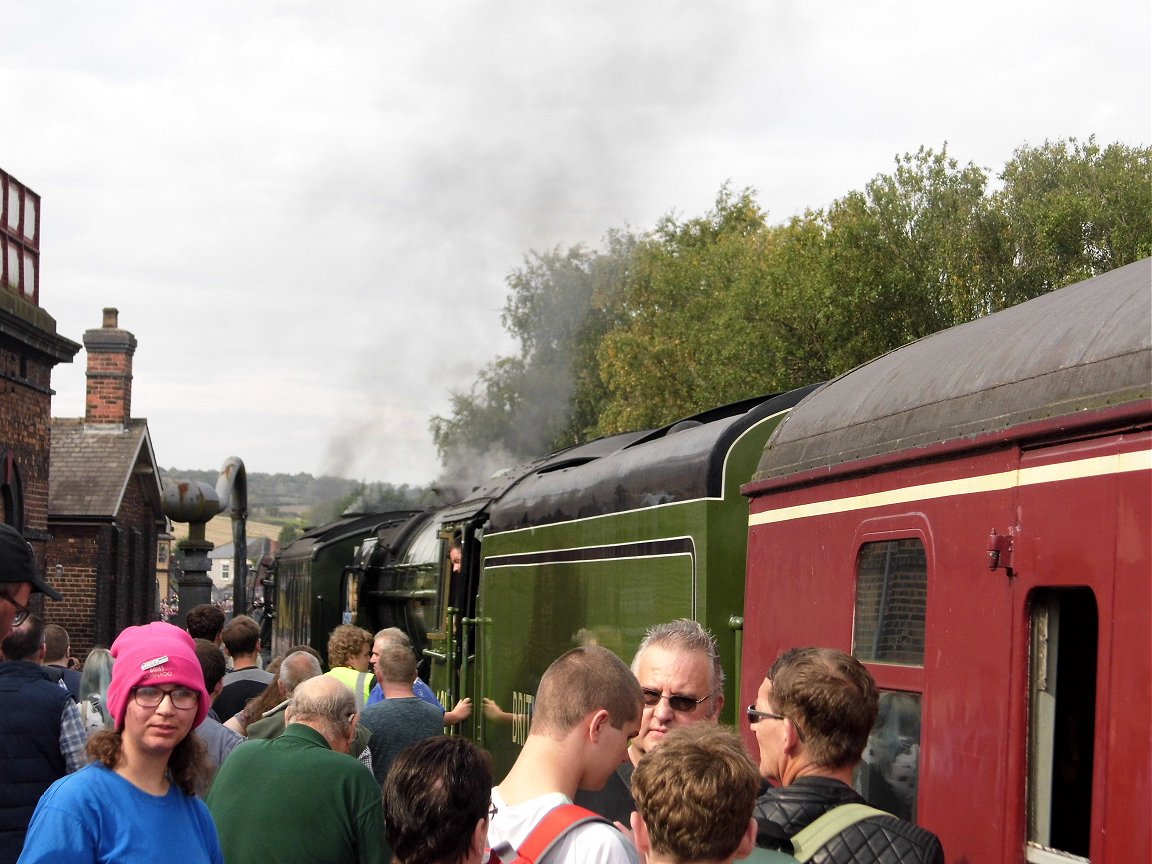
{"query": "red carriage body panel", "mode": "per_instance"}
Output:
(1033, 680)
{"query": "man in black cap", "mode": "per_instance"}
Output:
(18, 580)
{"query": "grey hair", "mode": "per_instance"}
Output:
(393, 635)
(683, 635)
(326, 701)
(297, 668)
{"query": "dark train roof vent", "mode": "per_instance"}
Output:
(566, 463)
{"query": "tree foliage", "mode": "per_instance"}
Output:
(711, 309)
(1073, 210)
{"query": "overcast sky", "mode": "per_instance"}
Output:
(305, 211)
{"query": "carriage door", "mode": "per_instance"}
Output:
(1063, 568)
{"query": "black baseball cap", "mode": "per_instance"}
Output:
(17, 564)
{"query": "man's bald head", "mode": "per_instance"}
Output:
(326, 705)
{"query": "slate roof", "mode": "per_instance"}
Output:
(258, 547)
(92, 463)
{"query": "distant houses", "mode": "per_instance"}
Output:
(223, 572)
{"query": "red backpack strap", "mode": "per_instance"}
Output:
(552, 828)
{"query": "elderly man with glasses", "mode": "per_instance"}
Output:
(18, 580)
(680, 675)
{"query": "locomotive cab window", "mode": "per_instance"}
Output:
(891, 599)
(1061, 733)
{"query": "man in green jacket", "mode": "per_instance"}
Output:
(300, 798)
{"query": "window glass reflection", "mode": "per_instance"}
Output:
(889, 774)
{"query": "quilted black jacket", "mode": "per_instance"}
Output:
(785, 811)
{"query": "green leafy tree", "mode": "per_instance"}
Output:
(725, 306)
(677, 346)
(912, 254)
(1073, 210)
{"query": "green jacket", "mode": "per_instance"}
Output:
(293, 800)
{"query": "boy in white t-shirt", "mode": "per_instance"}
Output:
(587, 708)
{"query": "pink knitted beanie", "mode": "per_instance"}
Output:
(153, 655)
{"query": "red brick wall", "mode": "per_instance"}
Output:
(78, 550)
(109, 393)
(109, 578)
(25, 409)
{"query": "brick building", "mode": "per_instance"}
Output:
(29, 349)
(104, 501)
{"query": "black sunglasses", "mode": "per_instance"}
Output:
(755, 716)
(679, 704)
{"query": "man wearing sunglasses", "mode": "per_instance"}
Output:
(680, 675)
(18, 580)
(812, 718)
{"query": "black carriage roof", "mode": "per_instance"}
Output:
(1074, 350)
(357, 525)
(678, 462)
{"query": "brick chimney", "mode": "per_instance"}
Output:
(110, 351)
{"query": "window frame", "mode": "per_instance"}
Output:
(906, 526)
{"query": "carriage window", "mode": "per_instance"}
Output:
(1061, 724)
(889, 774)
(891, 598)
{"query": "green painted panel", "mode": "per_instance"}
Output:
(608, 578)
(531, 615)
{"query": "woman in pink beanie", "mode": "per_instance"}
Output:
(136, 801)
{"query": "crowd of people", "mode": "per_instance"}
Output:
(155, 749)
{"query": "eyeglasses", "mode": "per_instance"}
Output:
(679, 704)
(492, 811)
(755, 717)
(183, 698)
(22, 612)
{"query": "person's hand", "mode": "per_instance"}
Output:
(462, 711)
(494, 713)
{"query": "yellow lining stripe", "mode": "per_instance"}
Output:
(1095, 466)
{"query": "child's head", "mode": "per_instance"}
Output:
(694, 797)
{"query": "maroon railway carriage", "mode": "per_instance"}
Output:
(970, 515)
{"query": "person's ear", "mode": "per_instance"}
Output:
(748, 841)
(792, 742)
(640, 835)
(717, 705)
(479, 840)
(596, 725)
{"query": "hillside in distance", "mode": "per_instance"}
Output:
(301, 500)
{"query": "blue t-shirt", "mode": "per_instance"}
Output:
(419, 689)
(95, 816)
